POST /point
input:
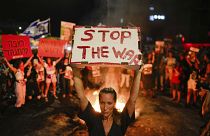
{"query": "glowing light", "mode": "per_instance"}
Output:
(156, 17)
(120, 105)
(69, 48)
(151, 8)
(151, 18)
(20, 28)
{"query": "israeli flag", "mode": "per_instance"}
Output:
(37, 29)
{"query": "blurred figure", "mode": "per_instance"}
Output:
(170, 63)
(32, 88)
(40, 75)
(20, 84)
(175, 83)
(184, 76)
(125, 78)
(147, 75)
(159, 69)
(205, 110)
(191, 85)
(66, 78)
(50, 75)
(193, 63)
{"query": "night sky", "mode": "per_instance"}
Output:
(189, 17)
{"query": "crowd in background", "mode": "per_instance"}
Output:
(181, 73)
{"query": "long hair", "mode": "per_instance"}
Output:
(116, 114)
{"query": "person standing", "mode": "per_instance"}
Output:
(175, 83)
(109, 122)
(170, 63)
(50, 75)
(20, 83)
(66, 78)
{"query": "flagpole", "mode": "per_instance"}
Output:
(49, 26)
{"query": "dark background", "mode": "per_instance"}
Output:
(190, 18)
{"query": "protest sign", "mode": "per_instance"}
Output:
(66, 32)
(51, 47)
(14, 46)
(114, 45)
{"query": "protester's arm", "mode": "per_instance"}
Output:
(134, 92)
(58, 60)
(40, 59)
(80, 88)
(188, 61)
(29, 71)
(197, 60)
(28, 61)
(13, 69)
(153, 57)
(61, 71)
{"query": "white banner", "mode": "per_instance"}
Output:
(112, 45)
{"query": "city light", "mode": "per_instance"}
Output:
(20, 28)
(151, 8)
(156, 17)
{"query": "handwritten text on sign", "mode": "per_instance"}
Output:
(51, 48)
(14, 46)
(106, 45)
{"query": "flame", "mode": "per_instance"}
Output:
(112, 80)
(120, 105)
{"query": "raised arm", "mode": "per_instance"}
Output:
(13, 69)
(29, 71)
(80, 88)
(134, 92)
(56, 62)
(40, 60)
(28, 61)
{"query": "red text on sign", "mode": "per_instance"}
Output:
(113, 35)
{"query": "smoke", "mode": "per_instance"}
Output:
(107, 12)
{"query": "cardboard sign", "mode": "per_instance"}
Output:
(14, 46)
(51, 48)
(66, 31)
(106, 45)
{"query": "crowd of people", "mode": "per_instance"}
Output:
(183, 74)
(34, 78)
(180, 73)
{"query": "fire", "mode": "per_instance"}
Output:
(120, 105)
